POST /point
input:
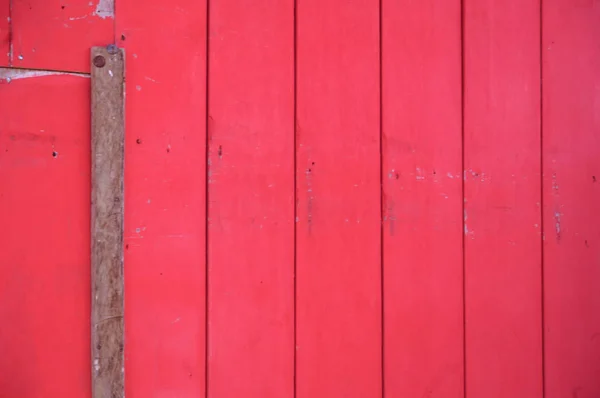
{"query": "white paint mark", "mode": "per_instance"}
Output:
(138, 88)
(96, 364)
(77, 18)
(110, 72)
(20, 57)
(10, 74)
(134, 55)
(105, 9)
(150, 79)
(176, 320)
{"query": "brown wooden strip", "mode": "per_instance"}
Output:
(108, 117)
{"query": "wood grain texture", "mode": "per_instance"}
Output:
(108, 138)
(422, 185)
(502, 216)
(165, 207)
(58, 34)
(251, 199)
(45, 235)
(338, 200)
(571, 131)
(4, 32)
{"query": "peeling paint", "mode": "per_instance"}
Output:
(105, 9)
(9, 74)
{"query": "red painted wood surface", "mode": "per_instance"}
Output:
(4, 32)
(296, 118)
(502, 226)
(571, 125)
(165, 207)
(58, 34)
(251, 199)
(338, 263)
(44, 256)
(422, 188)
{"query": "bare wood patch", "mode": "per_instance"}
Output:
(108, 133)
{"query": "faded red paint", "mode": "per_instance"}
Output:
(354, 233)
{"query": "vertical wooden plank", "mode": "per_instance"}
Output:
(422, 162)
(45, 235)
(502, 198)
(338, 192)
(165, 223)
(4, 32)
(42, 31)
(251, 199)
(108, 136)
(571, 127)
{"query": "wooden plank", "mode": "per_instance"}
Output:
(422, 184)
(338, 200)
(502, 199)
(43, 30)
(165, 223)
(4, 32)
(108, 139)
(571, 127)
(45, 235)
(251, 199)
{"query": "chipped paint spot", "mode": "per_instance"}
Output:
(96, 364)
(9, 74)
(557, 225)
(105, 9)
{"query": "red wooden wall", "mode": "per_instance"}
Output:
(335, 198)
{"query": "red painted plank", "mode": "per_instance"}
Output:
(251, 199)
(422, 162)
(338, 193)
(571, 127)
(58, 34)
(4, 32)
(502, 199)
(165, 216)
(45, 251)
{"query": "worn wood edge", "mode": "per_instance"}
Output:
(107, 218)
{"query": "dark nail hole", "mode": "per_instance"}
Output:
(586, 243)
(397, 176)
(99, 61)
(98, 346)
(127, 246)
(594, 178)
(309, 170)
(54, 154)
(63, 7)
(313, 163)
(434, 172)
(138, 141)
(168, 150)
(161, 274)
(123, 37)
(121, 347)
(220, 151)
